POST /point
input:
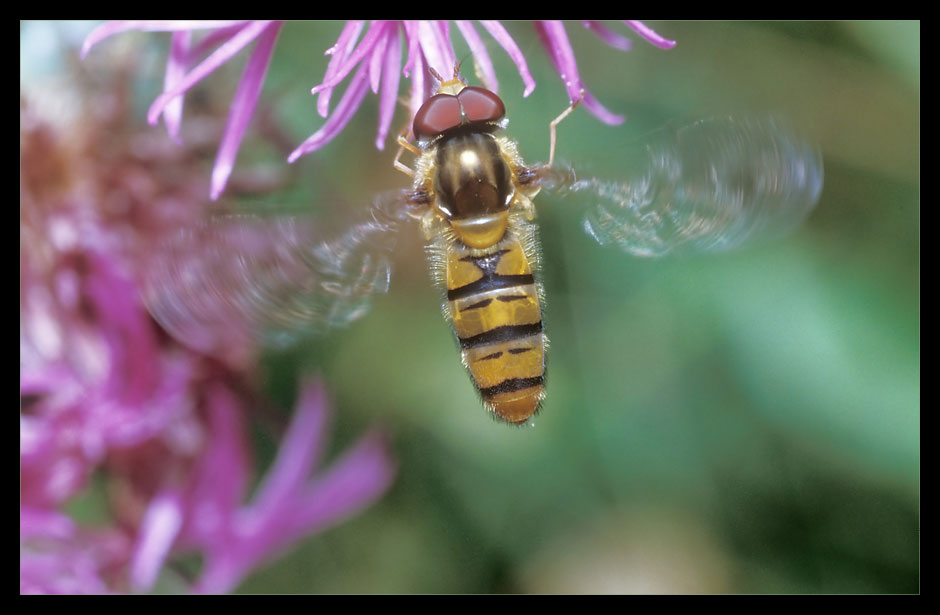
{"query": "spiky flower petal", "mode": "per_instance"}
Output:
(374, 62)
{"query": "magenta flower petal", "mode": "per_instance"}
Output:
(351, 484)
(411, 34)
(38, 522)
(498, 32)
(175, 70)
(414, 67)
(443, 29)
(553, 37)
(290, 505)
(223, 471)
(419, 87)
(389, 93)
(436, 47)
(214, 38)
(556, 43)
(78, 564)
(341, 115)
(649, 35)
(158, 531)
(375, 64)
(480, 57)
(615, 40)
(243, 106)
(49, 379)
(110, 28)
(300, 449)
(600, 111)
(340, 52)
(219, 57)
(133, 344)
(365, 47)
(360, 477)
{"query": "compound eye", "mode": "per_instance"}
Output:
(437, 115)
(481, 105)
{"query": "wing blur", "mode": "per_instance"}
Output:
(234, 280)
(709, 186)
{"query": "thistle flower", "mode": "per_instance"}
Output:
(227, 38)
(204, 512)
(105, 393)
(375, 62)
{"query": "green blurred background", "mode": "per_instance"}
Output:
(747, 422)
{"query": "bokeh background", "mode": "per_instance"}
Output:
(740, 423)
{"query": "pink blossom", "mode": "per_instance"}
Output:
(372, 62)
(106, 393)
(205, 513)
(229, 38)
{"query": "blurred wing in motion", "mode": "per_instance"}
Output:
(234, 280)
(708, 186)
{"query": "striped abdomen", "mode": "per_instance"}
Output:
(494, 302)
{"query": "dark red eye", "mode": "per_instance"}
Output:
(438, 114)
(481, 105)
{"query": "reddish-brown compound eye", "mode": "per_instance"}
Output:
(438, 114)
(481, 105)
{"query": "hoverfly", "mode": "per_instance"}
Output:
(707, 186)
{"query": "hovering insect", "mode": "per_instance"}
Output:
(707, 186)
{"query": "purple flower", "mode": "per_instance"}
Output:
(226, 39)
(105, 393)
(56, 556)
(196, 505)
(375, 62)
(555, 40)
(377, 59)
(206, 513)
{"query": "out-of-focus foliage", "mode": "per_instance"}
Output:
(747, 422)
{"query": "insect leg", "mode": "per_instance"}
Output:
(405, 145)
(554, 123)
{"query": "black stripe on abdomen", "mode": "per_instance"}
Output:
(508, 298)
(505, 333)
(478, 305)
(487, 283)
(511, 385)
